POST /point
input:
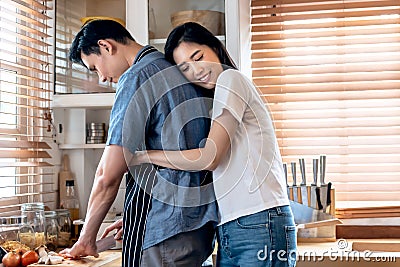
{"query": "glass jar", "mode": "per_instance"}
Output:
(12, 226)
(51, 230)
(34, 213)
(65, 227)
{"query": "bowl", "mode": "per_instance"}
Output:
(214, 21)
(85, 20)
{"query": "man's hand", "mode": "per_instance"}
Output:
(117, 225)
(81, 249)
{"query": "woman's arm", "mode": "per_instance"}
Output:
(218, 141)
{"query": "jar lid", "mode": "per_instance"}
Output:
(10, 220)
(63, 212)
(50, 214)
(32, 206)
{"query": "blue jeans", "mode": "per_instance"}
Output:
(263, 239)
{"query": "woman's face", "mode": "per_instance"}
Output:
(198, 63)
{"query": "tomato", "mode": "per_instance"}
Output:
(29, 257)
(11, 259)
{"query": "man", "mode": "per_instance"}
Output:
(147, 113)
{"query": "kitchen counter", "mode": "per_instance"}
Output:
(340, 253)
(331, 254)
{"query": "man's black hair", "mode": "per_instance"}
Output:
(86, 40)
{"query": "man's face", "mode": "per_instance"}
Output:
(107, 65)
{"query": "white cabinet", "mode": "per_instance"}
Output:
(145, 15)
(71, 115)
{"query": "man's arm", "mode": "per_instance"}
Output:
(107, 180)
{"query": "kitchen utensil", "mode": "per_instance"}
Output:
(314, 188)
(85, 20)
(303, 185)
(323, 185)
(287, 185)
(313, 224)
(63, 176)
(323, 223)
(3, 252)
(304, 214)
(105, 243)
(328, 198)
(296, 188)
(384, 246)
(105, 258)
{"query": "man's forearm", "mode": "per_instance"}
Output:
(105, 188)
(100, 201)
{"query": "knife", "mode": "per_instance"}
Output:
(303, 185)
(295, 187)
(323, 185)
(287, 185)
(105, 243)
(314, 187)
(3, 252)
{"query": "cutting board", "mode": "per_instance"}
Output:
(64, 175)
(103, 259)
(384, 246)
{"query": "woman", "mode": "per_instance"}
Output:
(256, 224)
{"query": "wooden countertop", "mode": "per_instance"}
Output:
(328, 253)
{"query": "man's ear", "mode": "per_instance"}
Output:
(106, 45)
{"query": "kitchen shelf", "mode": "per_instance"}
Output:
(99, 100)
(164, 40)
(82, 146)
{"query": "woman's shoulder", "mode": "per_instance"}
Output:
(231, 73)
(233, 76)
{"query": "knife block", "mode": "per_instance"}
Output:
(320, 234)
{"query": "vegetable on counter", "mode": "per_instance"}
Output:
(29, 257)
(12, 259)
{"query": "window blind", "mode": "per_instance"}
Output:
(25, 90)
(73, 78)
(330, 71)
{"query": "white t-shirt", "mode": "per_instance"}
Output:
(250, 178)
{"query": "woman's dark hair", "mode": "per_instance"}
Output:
(195, 33)
(86, 39)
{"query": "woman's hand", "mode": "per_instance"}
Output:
(138, 158)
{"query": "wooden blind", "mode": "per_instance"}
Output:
(25, 87)
(330, 71)
(73, 78)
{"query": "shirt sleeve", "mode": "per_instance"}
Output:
(231, 93)
(127, 122)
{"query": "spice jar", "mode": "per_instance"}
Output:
(34, 213)
(65, 227)
(51, 230)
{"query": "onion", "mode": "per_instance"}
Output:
(12, 259)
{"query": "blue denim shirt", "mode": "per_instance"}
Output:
(155, 108)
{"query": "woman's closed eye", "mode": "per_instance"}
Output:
(184, 67)
(198, 58)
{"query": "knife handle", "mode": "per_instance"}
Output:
(318, 193)
(303, 171)
(328, 198)
(285, 172)
(315, 171)
(322, 169)
(294, 172)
